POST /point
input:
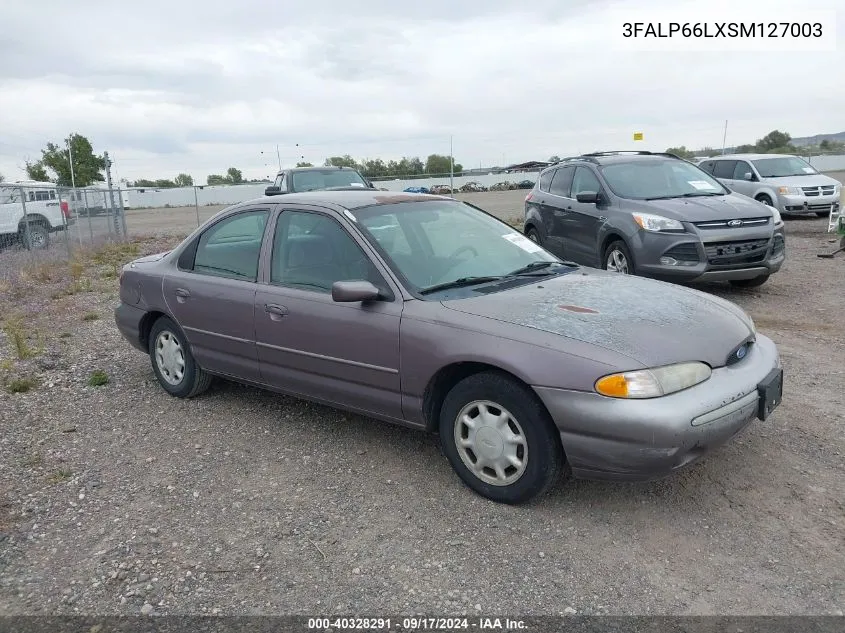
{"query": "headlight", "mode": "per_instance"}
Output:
(790, 191)
(653, 383)
(657, 223)
(776, 216)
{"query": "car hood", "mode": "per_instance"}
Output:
(704, 208)
(653, 322)
(810, 180)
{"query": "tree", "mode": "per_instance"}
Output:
(87, 166)
(773, 140)
(234, 176)
(36, 171)
(217, 179)
(184, 180)
(554, 159)
(681, 151)
(437, 164)
(745, 149)
(341, 161)
(2, 178)
(304, 164)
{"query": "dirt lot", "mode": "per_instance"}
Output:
(120, 499)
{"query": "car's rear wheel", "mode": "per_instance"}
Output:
(617, 258)
(756, 282)
(173, 364)
(500, 439)
(35, 236)
(533, 235)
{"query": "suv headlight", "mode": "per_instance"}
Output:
(654, 382)
(790, 191)
(656, 223)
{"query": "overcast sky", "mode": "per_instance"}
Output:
(199, 86)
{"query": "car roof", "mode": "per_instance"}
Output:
(351, 198)
(749, 156)
(610, 158)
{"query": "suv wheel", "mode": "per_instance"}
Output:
(765, 200)
(617, 258)
(750, 283)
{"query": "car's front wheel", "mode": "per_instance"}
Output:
(533, 235)
(756, 282)
(173, 364)
(617, 258)
(500, 439)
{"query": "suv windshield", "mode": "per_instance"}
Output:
(437, 242)
(644, 180)
(783, 166)
(315, 179)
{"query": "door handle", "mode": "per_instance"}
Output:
(181, 295)
(276, 312)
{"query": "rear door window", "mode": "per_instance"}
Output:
(562, 181)
(724, 169)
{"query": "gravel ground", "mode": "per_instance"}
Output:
(119, 499)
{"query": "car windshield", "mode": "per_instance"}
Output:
(316, 179)
(783, 166)
(444, 242)
(653, 179)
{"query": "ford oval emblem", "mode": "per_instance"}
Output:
(740, 353)
(735, 223)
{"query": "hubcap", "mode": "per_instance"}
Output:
(170, 358)
(617, 262)
(37, 239)
(766, 201)
(533, 237)
(491, 443)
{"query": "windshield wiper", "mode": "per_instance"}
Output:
(539, 265)
(688, 195)
(460, 283)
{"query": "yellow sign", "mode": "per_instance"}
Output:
(638, 136)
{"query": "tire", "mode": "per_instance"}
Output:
(618, 247)
(756, 282)
(541, 453)
(533, 235)
(193, 380)
(765, 200)
(34, 236)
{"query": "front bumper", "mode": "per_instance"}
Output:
(711, 255)
(129, 321)
(609, 438)
(800, 205)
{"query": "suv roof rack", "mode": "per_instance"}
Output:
(587, 157)
(594, 156)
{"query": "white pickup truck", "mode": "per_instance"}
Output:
(44, 215)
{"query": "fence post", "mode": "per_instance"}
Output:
(64, 221)
(197, 205)
(27, 243)
(88, 215)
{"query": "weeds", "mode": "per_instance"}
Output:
(59, 476)
(98, 378)
(34, 460)
(90, 316)
(21, 385)
(15, 331)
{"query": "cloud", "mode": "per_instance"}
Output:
(180, 86)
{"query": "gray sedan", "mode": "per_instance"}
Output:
(425, 311)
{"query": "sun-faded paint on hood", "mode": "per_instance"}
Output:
(653, 322)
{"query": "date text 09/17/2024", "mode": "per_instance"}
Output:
(723, 29)
(416, 624)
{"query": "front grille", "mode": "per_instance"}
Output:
(778, 245)
(824, 190)
(736, 252)
(731, 224)
(683, 252)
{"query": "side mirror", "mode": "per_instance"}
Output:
(272, 190)
(748, 176)
(588, 197)
(352, 291)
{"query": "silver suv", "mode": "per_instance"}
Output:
(788, 183)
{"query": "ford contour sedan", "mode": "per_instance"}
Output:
(425, 311)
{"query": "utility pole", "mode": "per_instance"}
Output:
(725, 137)
(70, 162)
(279, 157)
